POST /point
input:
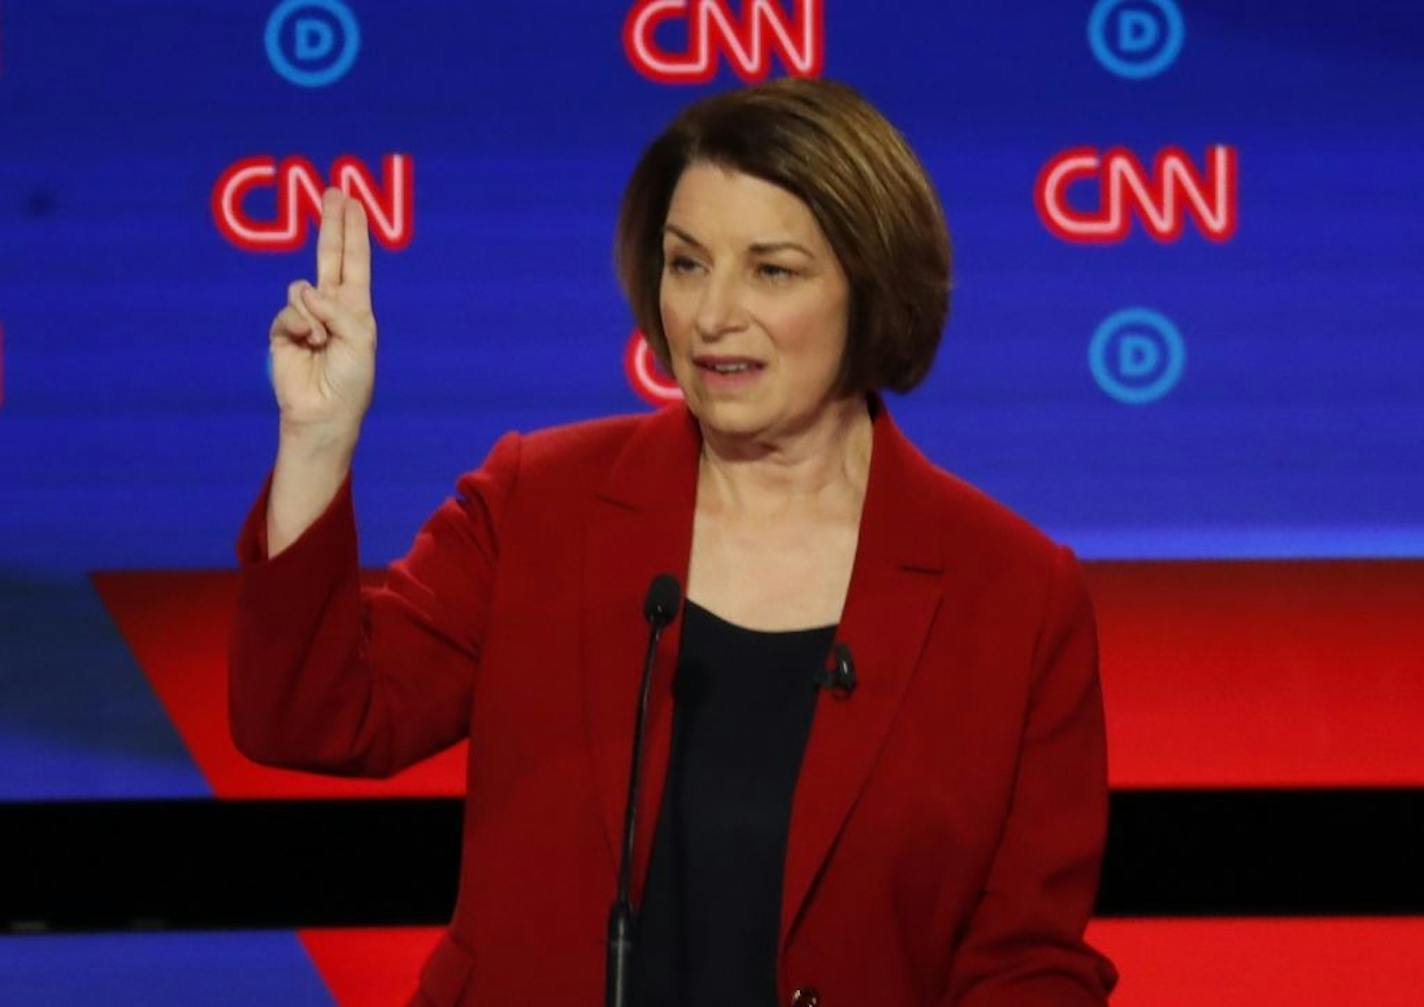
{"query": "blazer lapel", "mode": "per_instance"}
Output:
(640, 526)
(894, 593)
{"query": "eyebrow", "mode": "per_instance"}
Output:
(760, 247)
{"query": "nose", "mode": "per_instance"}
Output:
(719, 307)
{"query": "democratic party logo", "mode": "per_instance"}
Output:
(1136, 39)
(295, 186)
(1162, 201)
(711, 28)
(648, 380)
(312, 43)
(1137, 355)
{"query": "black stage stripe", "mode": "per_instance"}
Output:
(197, 864)
(1264, 853)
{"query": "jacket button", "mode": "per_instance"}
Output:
(806, 996)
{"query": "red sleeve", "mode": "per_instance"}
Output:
(330, 676)
(1024, 945)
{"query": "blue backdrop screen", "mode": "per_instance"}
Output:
(137, 419)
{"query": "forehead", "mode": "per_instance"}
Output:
(719, 204)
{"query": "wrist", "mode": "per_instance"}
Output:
(318, 442)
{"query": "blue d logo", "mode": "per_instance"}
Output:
(1137, 32)
(1136, 38)
(315, 39)
(1137, 355)
(312, 43)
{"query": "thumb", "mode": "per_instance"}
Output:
(320, 305)
(338, 319)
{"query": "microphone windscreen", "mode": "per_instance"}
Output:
(664, 596)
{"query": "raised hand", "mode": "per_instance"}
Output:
(323, 342)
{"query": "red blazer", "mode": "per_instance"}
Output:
(948, 822)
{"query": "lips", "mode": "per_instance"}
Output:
(727, 364)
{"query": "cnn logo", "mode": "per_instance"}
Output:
(1162, 200)
(297, 186)
(746, 41)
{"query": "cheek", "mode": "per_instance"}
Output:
(815, 337)
(673, 319)
(676, 329)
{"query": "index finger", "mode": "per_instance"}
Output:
(356, 251)
(329, 241)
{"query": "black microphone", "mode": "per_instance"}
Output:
(664, 597)
(659, 608)
(840, 676)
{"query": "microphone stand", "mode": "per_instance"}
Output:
(620, 916)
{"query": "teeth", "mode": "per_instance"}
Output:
(730, 368)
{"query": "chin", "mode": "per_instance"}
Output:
(730, 416)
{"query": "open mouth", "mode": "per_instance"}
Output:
(731, 368)
(728, 365)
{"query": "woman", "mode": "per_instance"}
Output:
(928, 833)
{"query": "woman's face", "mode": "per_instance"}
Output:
(754, 303)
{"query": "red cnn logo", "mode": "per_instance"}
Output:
(298, 188)
(746, 41)
(1161, 201)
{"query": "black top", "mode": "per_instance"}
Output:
(742, 706)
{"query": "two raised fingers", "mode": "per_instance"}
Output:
(343, 267)
(343, 249)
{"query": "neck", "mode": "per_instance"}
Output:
(825, 461)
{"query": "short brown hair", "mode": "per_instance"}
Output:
(824, 143)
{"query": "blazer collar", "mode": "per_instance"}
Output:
(644, 527)
(657, 468)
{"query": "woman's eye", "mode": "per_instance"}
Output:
(682, 264)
